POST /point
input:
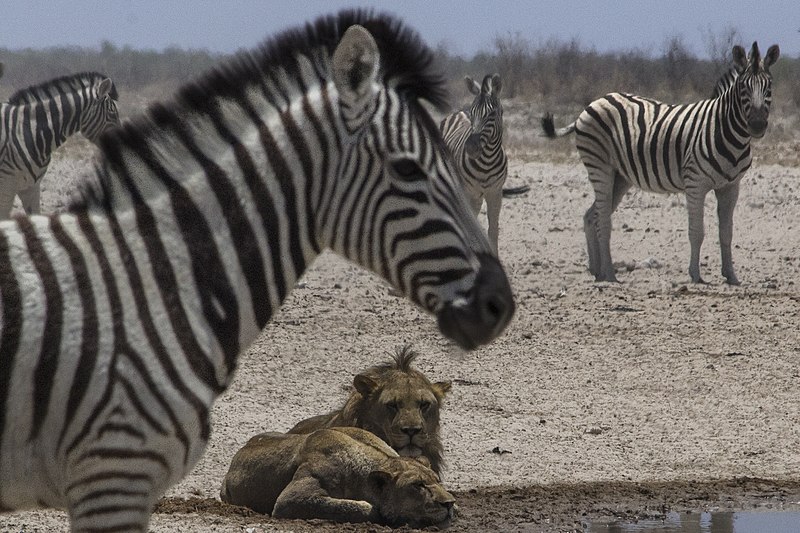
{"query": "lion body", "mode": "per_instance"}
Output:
(343, 474)
(395, 402)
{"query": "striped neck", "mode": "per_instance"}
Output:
(54, 124)
(232, 223)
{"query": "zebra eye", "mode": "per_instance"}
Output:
(407, 169)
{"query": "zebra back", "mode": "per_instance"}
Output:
(85, 102)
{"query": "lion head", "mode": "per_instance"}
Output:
(395, 402)
(401, 406)
(408, 492)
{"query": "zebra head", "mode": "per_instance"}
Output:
(485, 113)
(101, 110)
(754, 86)
(398, 209)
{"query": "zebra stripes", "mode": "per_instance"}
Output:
(37, 120)
(474, 135)
(122, 319)
(627, 140)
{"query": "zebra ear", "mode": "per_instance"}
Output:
(773, 53)
(104, 89)
(739, 58)
(472, 85)
(355, 70)
(497, 84)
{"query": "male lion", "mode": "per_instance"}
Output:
(344, 474)
(395, 402)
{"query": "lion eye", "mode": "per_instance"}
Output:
(424, 406)
(392, 406)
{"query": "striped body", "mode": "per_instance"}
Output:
(629, 141)
(37, 120)
(122, 319)
(475, 138)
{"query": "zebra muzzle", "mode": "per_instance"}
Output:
(472, 146)
(486, 313)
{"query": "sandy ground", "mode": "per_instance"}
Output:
(600, 400)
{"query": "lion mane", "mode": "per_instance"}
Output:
(395, 402)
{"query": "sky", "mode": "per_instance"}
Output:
(466, 27)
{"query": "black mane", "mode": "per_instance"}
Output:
(72, 82)
(405, 58)
(406, 65)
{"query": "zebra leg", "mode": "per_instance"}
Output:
(30, 198)
(475, 202)
(115, 489)
(604, 184)
(118, 509)
(695, 198)
(6, 202)
(494, 201)
(726, 201)
(592, 245)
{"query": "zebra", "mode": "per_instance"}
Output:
(474, 135)
(626, 140)
(37, 120)
(123, 316)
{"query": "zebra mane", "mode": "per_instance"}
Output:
(407, 65)
(725, 82)
(64, 84)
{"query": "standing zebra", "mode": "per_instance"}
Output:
(627, 140)
(122, 318)
(37, 120)
(474, 135)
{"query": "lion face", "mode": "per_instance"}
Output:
(404, 412)
(411, 493)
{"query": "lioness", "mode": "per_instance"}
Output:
(395, 402)
(344, 474)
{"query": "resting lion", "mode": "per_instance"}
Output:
(395, 402)
(344, 474)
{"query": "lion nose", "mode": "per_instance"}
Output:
(411, 430)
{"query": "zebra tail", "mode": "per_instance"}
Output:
(549, 127)
(510, 192)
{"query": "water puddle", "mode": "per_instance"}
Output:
(715, 522)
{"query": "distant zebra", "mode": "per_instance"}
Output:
(122, 318)
(37, 120)
(627, 140)
(475, 137)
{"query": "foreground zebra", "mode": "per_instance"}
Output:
(122, 319)
(37, 120)
(475, 137)
(627, 140)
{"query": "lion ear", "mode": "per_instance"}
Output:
(365, 385)
(378, 479)
(441, 388)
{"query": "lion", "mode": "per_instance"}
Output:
(395, 402)
(344, 474)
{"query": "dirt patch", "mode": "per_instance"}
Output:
(542, 508)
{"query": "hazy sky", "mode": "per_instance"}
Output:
(466, 26)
